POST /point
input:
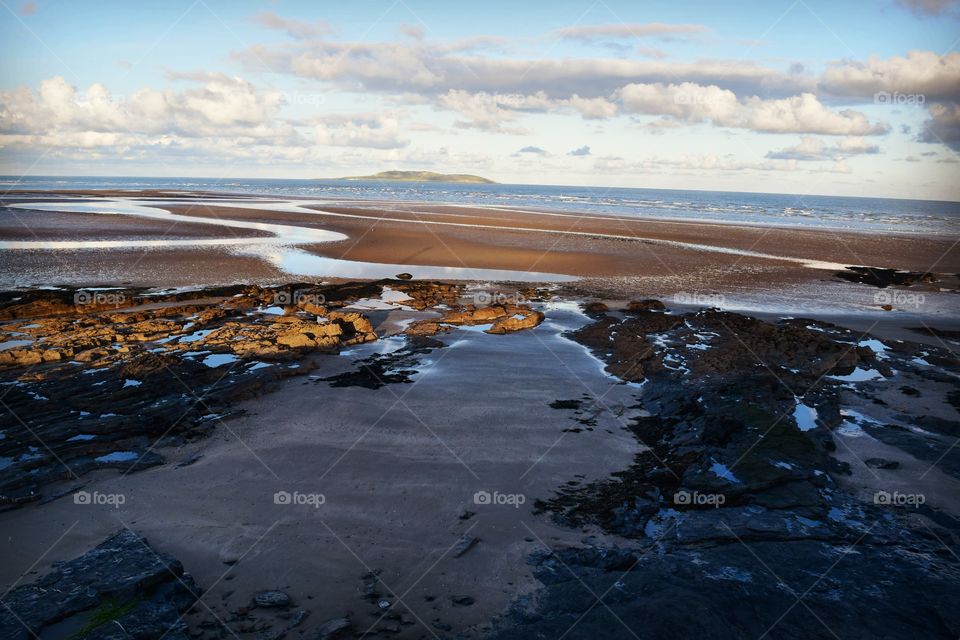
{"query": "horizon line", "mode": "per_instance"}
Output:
(491, 184)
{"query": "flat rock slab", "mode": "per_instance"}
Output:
(120, 589)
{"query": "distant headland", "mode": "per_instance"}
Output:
(423, 176)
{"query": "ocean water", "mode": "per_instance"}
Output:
(865, 214)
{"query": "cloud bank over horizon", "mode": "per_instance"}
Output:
(621, 102)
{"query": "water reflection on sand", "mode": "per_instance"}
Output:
(281, 250)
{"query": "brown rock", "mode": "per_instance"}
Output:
(425, 328)
(314, 309)
(352, 322)
(296, 341)
(470, 315)
(527, 319)
(595, 308)
(91, 354)
(19, 357)
(645, 305)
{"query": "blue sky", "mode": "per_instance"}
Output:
(801, 97)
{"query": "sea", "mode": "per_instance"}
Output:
(767, 209)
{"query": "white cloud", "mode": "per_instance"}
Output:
(436, 68)
(223, 117)
(376, 132)
(806, 114)
(925, 73)
(689, 102)
(811, 148)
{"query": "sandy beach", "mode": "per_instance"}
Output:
(224, 357)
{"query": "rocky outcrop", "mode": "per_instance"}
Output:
(735, 591)
(735, 498)
(505, 318)
(522, 319)
(121, 589)
(883, 278)
(100, 384)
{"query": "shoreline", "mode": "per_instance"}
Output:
(748, 268)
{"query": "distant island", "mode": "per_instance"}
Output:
(423, 176)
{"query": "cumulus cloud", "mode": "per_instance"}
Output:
(495, 111)
(580, 151)
(811, 148)
(531, 149)
(591, 33)
(806, 114)
(919, 73)
(433, 68)
(220, 115)
(374, 131)
(694, 103)
(728, 93)
(223, 105)
(489, 112)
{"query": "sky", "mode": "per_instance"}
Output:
(805, 96)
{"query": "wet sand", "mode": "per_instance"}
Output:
(615, 256)
(398, 467)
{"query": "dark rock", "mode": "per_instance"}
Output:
(298, 619)
(462, 601)
(120, 589)
(270, 599)
(465, 543)
(701, 593)
(335, 628)
(883, 278)
(881, 463)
